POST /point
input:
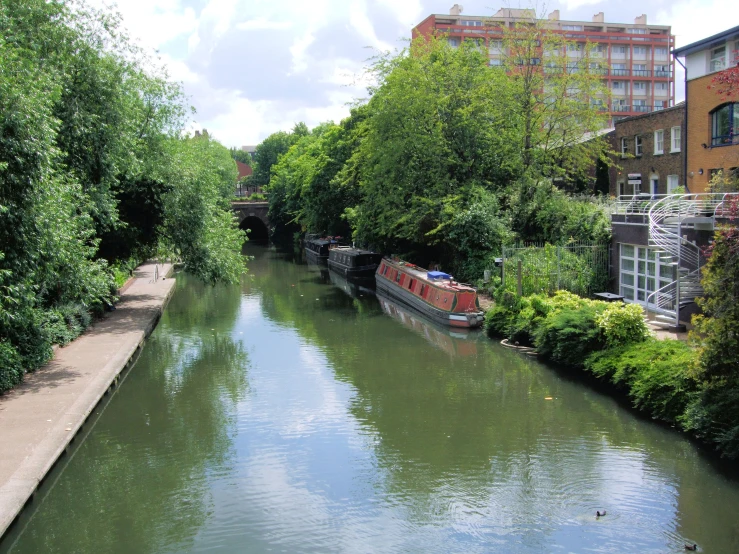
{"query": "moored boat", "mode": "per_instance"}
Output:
(317, 248)
(353, 263)
(434, 293)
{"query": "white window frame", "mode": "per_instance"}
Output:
(659, 142)
(675, 139)
(673, 182)
(640, 86)
(618, 49)
(638, 145)
(640, 50)
(624, 147)
(642, 273)
(717, 61)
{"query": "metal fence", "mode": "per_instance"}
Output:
(579, 267)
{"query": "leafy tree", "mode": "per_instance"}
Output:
(269, 150)
(240, 155)
(560, 97)
(726, 82)
(715, 416)
(438, 126)
(198, 225)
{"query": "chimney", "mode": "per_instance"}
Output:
(598, 17)
(641, 20)
(456, 9)
(554, 16)
(197, 133)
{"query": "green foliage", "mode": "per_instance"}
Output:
(198, 225)
(567, 336)
(540, 212)
(88, 126)
(715, 414)
(240, 155)
(656, 375)
(11, 370)
(437, 131)
(622, 324)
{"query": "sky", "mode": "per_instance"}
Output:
(254, 67)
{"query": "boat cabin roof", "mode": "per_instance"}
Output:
(422, 274)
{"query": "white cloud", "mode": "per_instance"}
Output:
(263, 23)
(361, 23)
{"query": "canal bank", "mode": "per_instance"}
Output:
(41, 417)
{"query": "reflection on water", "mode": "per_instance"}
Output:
(293, 414)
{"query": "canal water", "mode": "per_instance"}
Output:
(294, 413)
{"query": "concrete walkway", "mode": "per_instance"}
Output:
(40, 418)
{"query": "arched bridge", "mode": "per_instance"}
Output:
(253, 216)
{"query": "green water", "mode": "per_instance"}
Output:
(286, 415)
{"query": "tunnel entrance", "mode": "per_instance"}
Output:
(255, 227)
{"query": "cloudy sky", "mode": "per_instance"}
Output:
(253, 67)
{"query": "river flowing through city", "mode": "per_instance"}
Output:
(298, 413)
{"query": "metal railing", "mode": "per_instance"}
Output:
(709, 204)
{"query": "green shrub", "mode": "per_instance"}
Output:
(714, 416)
(11, 369)
(568, 336)
(66, 322)
(655, 374)
(622, 324)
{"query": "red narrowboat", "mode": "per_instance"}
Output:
(434, 293)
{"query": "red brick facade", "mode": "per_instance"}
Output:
(652, 166)
(703, 158)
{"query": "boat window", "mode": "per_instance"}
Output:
(397, 276)
(411, 283)
(423, 289)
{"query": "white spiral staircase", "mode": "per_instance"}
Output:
(669, 218)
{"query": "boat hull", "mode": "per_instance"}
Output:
(443, 317)
(361, 272)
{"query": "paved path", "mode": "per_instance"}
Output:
(40, 418)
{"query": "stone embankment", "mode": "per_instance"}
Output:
(40, 418)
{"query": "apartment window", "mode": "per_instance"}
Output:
(637, 31)
(640, 70)
(640, 50)
(659, 142)
(718, 58)
(471, 22)
(660, 51)
(495, 44)
(618, 49)
(572, 27)
(661, 70)
(453, 42)
(641, 106)
(725, 125)
(642, 272)
(661, 87)
(624, 147)
(672, 183)
(638, 145)
(617, 85)
(495, 63)
(619, 69)
(640, 87)
(675, 139)
(659, 105)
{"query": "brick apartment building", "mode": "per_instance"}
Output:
(639, 70)
(712, 120)
(650, 153)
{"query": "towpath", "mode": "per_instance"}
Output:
(40, 418)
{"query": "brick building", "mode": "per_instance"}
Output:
(712, 120)
(638, 68)
(650, 151)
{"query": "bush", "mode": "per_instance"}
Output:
(568, 336)
(655, 374)
(622, 324)
(66, 322)
(11, 369)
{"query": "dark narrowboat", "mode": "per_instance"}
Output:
(353, 263)
(317, 248)
(433, 293)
